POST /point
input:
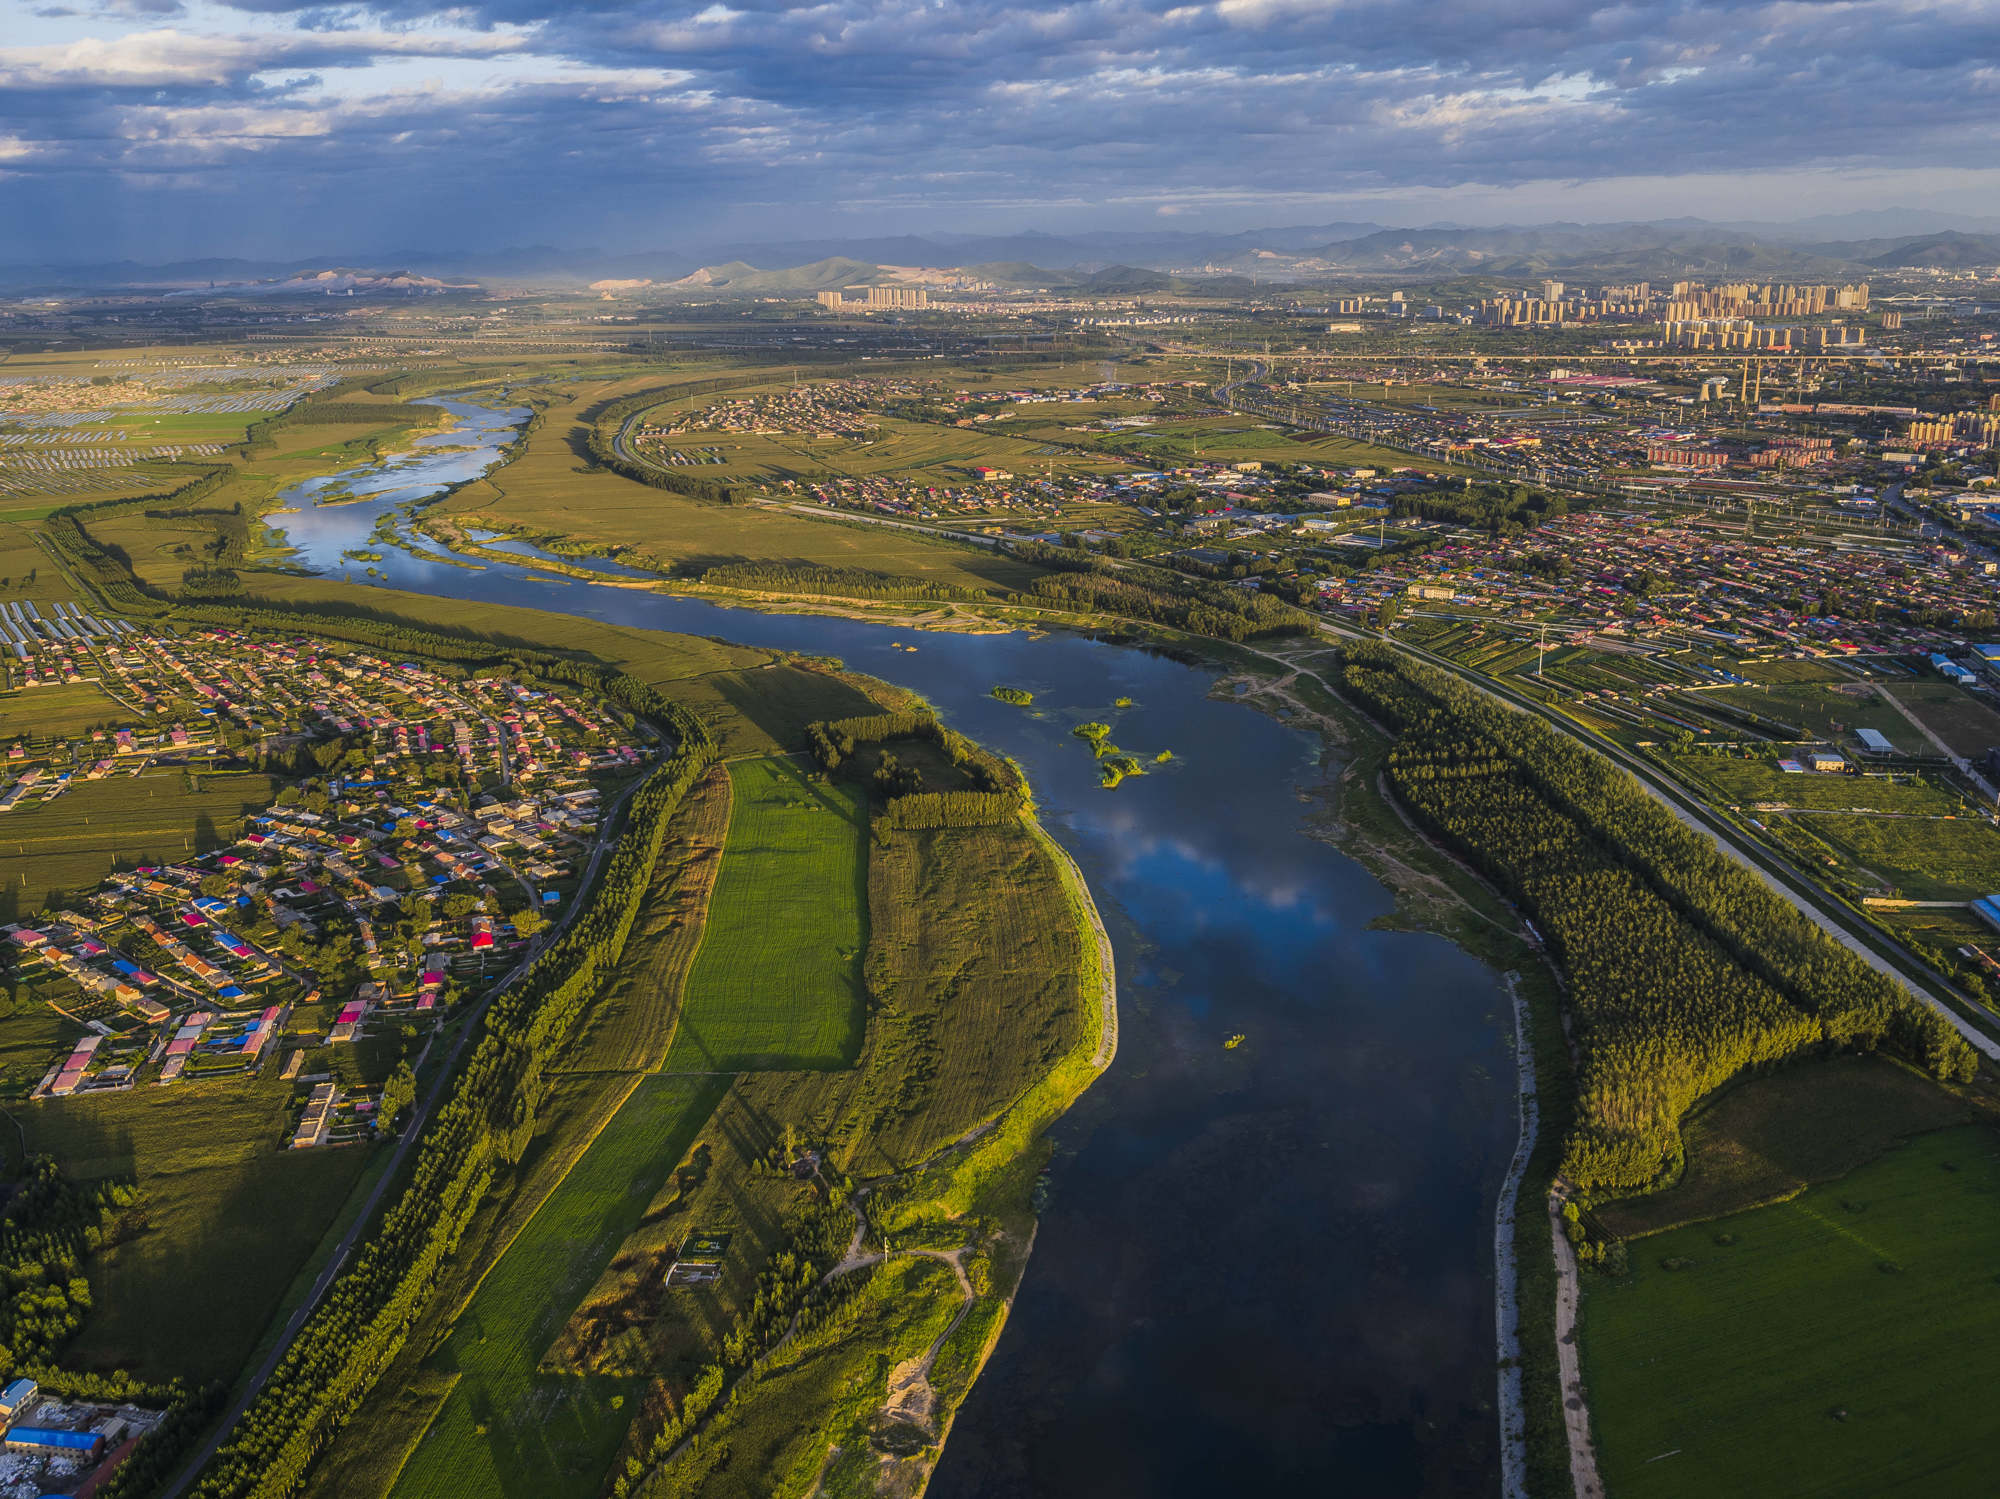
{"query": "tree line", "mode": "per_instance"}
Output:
(998, 792)
(1684, 968)
(837, 582)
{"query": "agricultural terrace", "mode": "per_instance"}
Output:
(1797, 1348)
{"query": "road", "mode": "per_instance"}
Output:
(405, 1143)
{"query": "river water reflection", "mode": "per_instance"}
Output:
(1262, 1270)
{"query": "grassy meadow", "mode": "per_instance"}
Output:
(226, 1218)
(630, 1028)
(71, 843)
(1764, 1138)
(550, 488)
(1841, 1343)
(1921, 858)
(970, 929)
(777, 982)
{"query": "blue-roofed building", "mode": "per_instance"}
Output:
(47, 1440)
(18, 1396)
(1987, 909)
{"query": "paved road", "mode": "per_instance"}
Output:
(412, 1133)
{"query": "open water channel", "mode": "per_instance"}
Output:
(1262, 1270)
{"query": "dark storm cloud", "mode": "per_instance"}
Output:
(898, 102)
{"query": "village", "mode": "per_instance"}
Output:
(423, 829)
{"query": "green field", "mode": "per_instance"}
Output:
(969, 927)
(777, 982)
(71, 843)
(225, 1220)
(1837, 1344)
(1957, 717)
(1831, 710)
(543, 490)
(66, 711)
(505, 1429)
(1742, 782)
(1764, 1138)
(1920, 858)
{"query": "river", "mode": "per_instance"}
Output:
(1261, 1270)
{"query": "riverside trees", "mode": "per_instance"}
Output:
(1684, 969)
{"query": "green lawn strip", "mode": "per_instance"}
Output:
(1844, 1342)
(505, 1429)
(777, 980)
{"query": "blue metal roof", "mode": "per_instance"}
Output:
(42, 1436)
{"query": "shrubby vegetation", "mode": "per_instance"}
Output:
(1085, 584)
(1684, 968)
(997, 796)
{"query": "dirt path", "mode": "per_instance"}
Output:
(1963, 766)
(1576, 1412)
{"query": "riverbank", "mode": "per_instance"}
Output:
(1437, 892)
(1227, 923)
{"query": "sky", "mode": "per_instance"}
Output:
(159, 129)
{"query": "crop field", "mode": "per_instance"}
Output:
(1842, 1343)
(632, 1024)
(777, 981)
(1745, 782)
(1921, 858)
(1961, 720)
(505, 1429)
(71, 843)
(225, 1218)
(1766, 1138)
(65, 711)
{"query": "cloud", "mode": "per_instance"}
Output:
(922, 112)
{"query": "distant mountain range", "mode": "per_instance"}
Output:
(1124, 262)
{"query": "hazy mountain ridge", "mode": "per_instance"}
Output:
(1129, 262)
